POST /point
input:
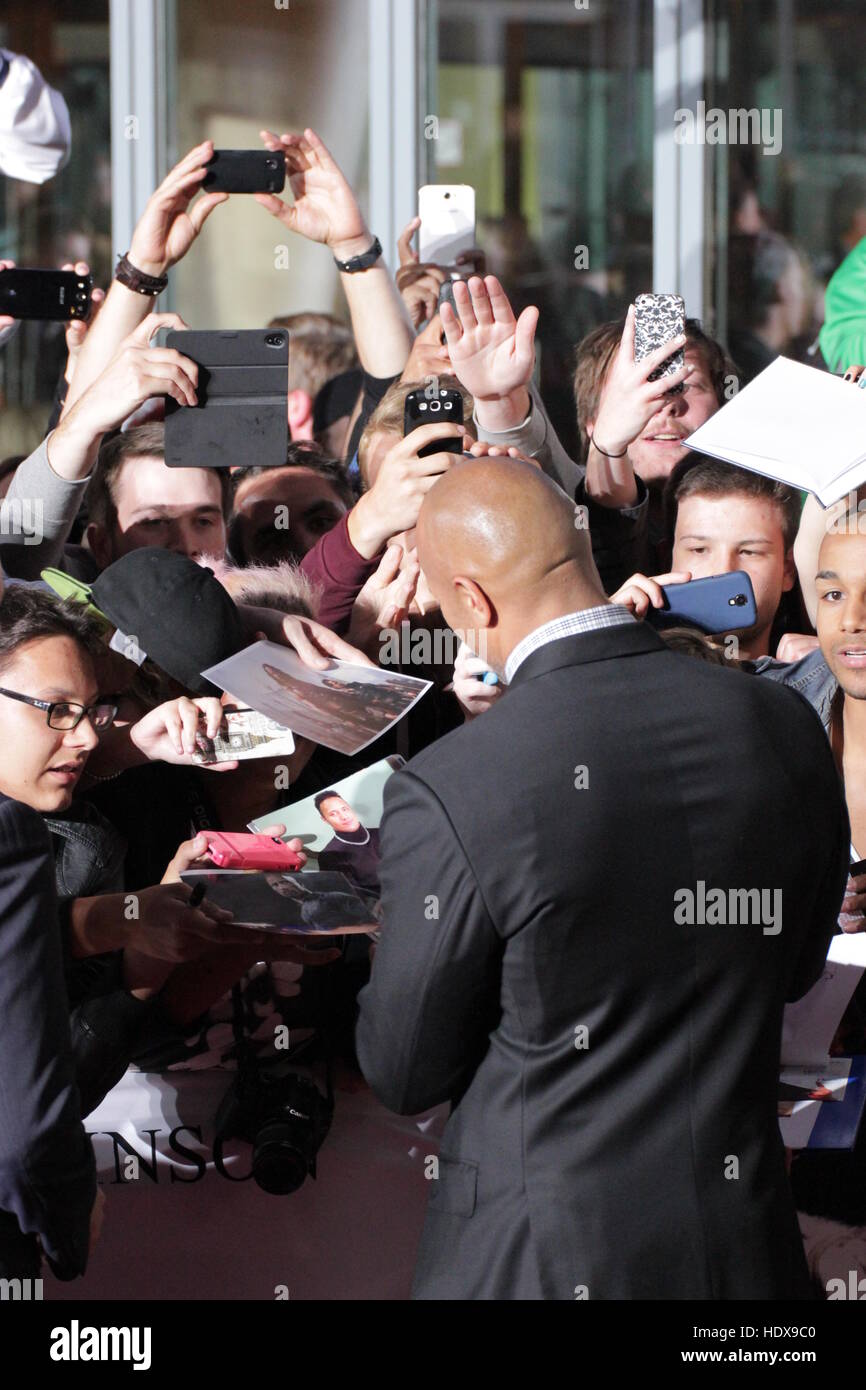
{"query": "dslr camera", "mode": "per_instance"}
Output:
(284, 1116)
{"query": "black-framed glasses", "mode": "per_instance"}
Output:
(66, 715)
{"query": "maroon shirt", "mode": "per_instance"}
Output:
(340, 572)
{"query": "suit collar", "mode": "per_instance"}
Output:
(605, 644)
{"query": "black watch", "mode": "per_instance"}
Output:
(362, 262)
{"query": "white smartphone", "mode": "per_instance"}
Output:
(447, 212)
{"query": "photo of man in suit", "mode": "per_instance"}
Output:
(612, 1071)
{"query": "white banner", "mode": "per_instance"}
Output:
(182, 1222)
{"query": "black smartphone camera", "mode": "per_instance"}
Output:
(245, 171)
(59, 295)
(428, 407)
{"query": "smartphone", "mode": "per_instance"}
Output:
(446, 296)
(720, 603)
(428, 406)
(236, 851)
(447, 212)
(658, 318)
(242, 411)
(45, 294)
(245, 171)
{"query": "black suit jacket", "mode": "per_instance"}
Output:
(47, 1169)
(521, 908)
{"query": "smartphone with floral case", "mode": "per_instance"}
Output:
(658, 319)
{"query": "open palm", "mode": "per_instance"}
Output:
(492, 353)
(325, 209)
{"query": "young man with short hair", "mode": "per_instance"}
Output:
(280, 513)
(722, 519)
(135, 500)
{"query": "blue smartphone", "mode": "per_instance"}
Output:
(720, 603)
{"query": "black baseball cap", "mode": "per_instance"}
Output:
(177, 611)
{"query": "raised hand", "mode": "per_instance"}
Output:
(629, 399)
(325, 209)
(384, 600)
(492, 353)
(76, 329)
(137, 372)
(402, 482)
(169, 225)
(640, 593)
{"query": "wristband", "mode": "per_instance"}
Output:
(135, 279)
(606, 454)
(362, 262)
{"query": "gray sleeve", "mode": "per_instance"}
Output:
(37, 515)
(537, 438)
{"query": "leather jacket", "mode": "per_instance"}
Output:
(106, 1021)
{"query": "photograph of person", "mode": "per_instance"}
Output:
(343, 707)
(354, 849)
(290, 902)
(339, 825)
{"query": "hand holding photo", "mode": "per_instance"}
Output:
(245, 734)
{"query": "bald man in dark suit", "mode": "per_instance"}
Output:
(548, 965)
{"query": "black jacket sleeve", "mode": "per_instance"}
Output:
(433, 997)
(47, 1169)
(620, 536)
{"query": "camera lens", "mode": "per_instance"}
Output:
(434, 405)
(278, 1167)
(274, 340)
(737, 601)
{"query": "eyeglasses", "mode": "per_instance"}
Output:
(63, 714)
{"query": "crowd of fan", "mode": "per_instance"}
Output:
(97, 762)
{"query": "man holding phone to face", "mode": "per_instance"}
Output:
(726, 519)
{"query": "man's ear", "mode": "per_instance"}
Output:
(789, 577)
(474, 602)
(300, 415)
(98, 542)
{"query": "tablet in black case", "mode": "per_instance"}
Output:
(243, 385)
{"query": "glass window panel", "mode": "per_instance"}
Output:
(547, 111)
(69, 216)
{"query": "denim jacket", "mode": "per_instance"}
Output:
(811, 676)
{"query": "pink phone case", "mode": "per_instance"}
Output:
(234, 851)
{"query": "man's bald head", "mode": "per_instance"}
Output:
(503, 550)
